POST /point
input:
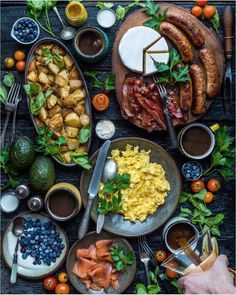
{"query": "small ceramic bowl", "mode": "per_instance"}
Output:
(106, 18)
(71, 192)
(16, 38)
(192, 170)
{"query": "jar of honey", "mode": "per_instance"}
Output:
(76, 13)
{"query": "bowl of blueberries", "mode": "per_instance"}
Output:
(192, 170)
(25, 30)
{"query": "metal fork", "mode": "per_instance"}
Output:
(163, 93)
(14, 117)
(10, 107)
(144, 258)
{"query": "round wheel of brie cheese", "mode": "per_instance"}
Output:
(140, 47)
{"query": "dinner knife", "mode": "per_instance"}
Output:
(93, 188)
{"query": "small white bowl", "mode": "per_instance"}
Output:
(111, 14)
(14, 37)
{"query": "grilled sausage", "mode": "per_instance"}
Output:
(199, 89)
(179, 39)
(187, 25)
(212, 73)
(186, 95)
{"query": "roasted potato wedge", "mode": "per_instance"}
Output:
(84, 119)
(32, 76)
(43, 114)
(75, 84)
(43, 78)
(73, 120)
(79, 109)
(81, 149)
(55, 110)
(68, 62)
(72, 143)
(64, 74)
(60, 81)
(51, 101)
(32, 66)
(41, 68)
(72, 131)
(66, 156)
(56, 122)
(74, 74)
(53, 68)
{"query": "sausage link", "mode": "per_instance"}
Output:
(186, 95)
(212, 73)
(192, 30)
(199, 89)
(179, 39)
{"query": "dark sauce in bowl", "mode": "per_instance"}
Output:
(178, 231)
(196, 141)
(90, 42)
(62, 203)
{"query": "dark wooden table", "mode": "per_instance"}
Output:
(224, 203)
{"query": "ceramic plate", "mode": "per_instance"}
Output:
(26, 268)
(115, 223)
(125, 278)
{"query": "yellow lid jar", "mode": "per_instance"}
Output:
(76, 13)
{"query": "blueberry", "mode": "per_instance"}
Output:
(188, 175)
(23, 250)
(30, 25)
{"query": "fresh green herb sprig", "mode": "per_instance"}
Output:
(171, 73)
(121, 260)
(112, 189)
(200, 215)
(121, 11)
(38, 101)
(154, 288)
(152, 10)
(82, 160)
(47, 53)
(106, 86)
(215, 21)
(8, 80)
(222, 157)
(85, 134)
(36, 9)
(7, 169)
(103, 5)
(45, 144)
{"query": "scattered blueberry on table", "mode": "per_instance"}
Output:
(25, 30)
(41, 241)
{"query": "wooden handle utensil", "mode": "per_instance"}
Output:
(228, 20)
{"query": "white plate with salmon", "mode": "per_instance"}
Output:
(103, 264)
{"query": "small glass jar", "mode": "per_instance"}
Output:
(76, 13)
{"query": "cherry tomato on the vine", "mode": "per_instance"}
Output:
(196, 11)
(209, 11)
(63, 277)
(62, 288)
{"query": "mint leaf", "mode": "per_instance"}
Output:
(85, 134)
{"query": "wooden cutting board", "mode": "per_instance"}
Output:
(137, 19)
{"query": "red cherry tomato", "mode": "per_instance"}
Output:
(213, 185)
(62, 288)
(49, 283)
(201, 2)
(197, 185)
(196, 11)
(209, 11)
(161, 255)
(208, 197)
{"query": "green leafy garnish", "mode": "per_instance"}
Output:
(47, 54)
(215, 21)
(200, 214)
(46, 145)
(82, 160)
(222, 157)
(121, 11)
(36, 9)
(112, 190)
(121, 260)
(107, 85)
(57, 58)
(171, 74)
(7, 169)
(102, 5)
(3, 94)
(152, 10)
(31, 89)
(8, 79)
(154, 288)
(85, 134)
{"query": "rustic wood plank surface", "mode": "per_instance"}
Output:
(225, 201)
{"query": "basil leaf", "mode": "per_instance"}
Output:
(82, 160)
(109, 82)
(140, 289)
(8, 79)
(3, 94)
(153, 289)
(102, 5)
(37, 103)
(85, 134)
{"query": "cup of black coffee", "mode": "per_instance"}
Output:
(196, 141)
(63, 201)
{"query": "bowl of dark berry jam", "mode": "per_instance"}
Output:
(25, 31)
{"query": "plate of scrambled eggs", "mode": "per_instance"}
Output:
(153, 191)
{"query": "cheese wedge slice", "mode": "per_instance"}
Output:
(159, 46)
(149, 67)
(133, 44)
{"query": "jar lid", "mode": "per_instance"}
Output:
(9, 202)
